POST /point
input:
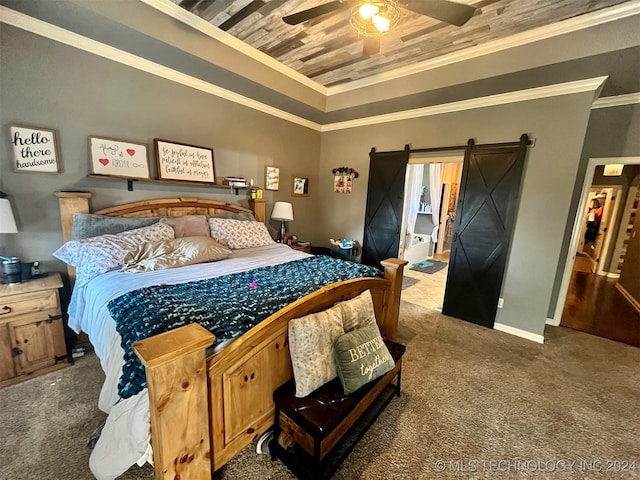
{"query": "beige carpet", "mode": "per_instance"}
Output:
(474, 399)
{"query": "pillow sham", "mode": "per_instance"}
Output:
(188, 225)
(311, 340)
(96, 255)
(87, 225)
(361, 356)
(233, 216)
(173, 253)
(357, 312)
(237, 234)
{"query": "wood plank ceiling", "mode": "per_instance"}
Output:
(328, 50)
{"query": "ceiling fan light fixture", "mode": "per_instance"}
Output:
(367, 10)
(382, 17)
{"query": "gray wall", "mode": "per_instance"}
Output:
(558, 125)
(611, 132)
(48, 84)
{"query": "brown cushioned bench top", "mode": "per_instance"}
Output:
(320, 412)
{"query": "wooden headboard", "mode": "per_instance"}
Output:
(78, 202)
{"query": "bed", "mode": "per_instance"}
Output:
(203, 406)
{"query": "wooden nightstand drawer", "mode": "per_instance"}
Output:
(19, 304)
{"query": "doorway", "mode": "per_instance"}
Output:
(601, 295)
(432, 184)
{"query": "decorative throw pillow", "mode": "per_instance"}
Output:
(358, 312)
(87, 225)
(311, 340)
(237, 234)
(188, 225)
(96, 255)
(173, 253)
(361, 356)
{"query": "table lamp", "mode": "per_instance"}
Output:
(11, 267)
(282, 211)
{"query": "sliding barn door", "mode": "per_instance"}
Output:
(490, 185)
(385, 197)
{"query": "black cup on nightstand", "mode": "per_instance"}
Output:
(12, 270)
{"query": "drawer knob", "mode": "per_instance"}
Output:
(15, 351)
(5, 310)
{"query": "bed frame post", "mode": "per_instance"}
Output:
(71, 203)
(176, 369)
(393, 271)
(259, 207)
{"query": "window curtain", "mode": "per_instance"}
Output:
(435, 191)
(413, 189)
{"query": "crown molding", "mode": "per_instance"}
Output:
(580, 86)
(570, 25)
(617, 101)
(173, 10)
(58, 34)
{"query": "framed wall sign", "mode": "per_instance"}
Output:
(177, 161)
(118, 158)
(271, 178)
(299, 186)
(34, 149)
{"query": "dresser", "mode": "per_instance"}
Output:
(31, 329)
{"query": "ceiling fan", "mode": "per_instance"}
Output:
(372, 18)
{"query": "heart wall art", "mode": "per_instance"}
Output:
(118, 158)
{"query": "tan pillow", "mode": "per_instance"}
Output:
(311, 340)
(188, 225)
(357, 312)
(173, 253)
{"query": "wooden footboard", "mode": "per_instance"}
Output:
(238, 405)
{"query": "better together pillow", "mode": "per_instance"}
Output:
(311, 340)
(174, 253)
(237, 234)
(96, 255)
(361, 356)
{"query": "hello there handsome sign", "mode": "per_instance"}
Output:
(34, 149)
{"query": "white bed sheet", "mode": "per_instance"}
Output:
(125, 437)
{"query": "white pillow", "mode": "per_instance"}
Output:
(357, 312)
(96, 255)
(237, 234)
(311, 340)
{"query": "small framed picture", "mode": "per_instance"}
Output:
(34, 149)
(118, 158)
(271, 178)
(299, 186)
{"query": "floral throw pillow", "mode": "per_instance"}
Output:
(237, 234)
(96, 255)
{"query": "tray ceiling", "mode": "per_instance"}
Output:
(328, 50)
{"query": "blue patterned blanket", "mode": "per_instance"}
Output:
(227, 306)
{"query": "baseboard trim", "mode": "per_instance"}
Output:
(553, 322)
(610, 275)
(519, 333)
(634, 303)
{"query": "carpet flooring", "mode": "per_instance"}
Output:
(428, 267)
(476, 403)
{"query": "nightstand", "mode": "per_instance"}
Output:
(306, 249)
(31, 329)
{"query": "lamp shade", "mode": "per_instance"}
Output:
(7, 221)
(282, 211)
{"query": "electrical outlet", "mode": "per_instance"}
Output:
(500, 302)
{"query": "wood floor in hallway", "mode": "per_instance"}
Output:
(594, 305)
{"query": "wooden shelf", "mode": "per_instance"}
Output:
(130, 181)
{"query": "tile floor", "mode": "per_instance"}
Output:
(429, 291)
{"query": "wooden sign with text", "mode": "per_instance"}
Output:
(177, 161)
(34, 149)
(118, 158)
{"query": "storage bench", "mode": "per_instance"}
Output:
(318, 422)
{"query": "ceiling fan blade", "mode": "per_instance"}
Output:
(443, 10)
(304, 15)
(370, 46)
